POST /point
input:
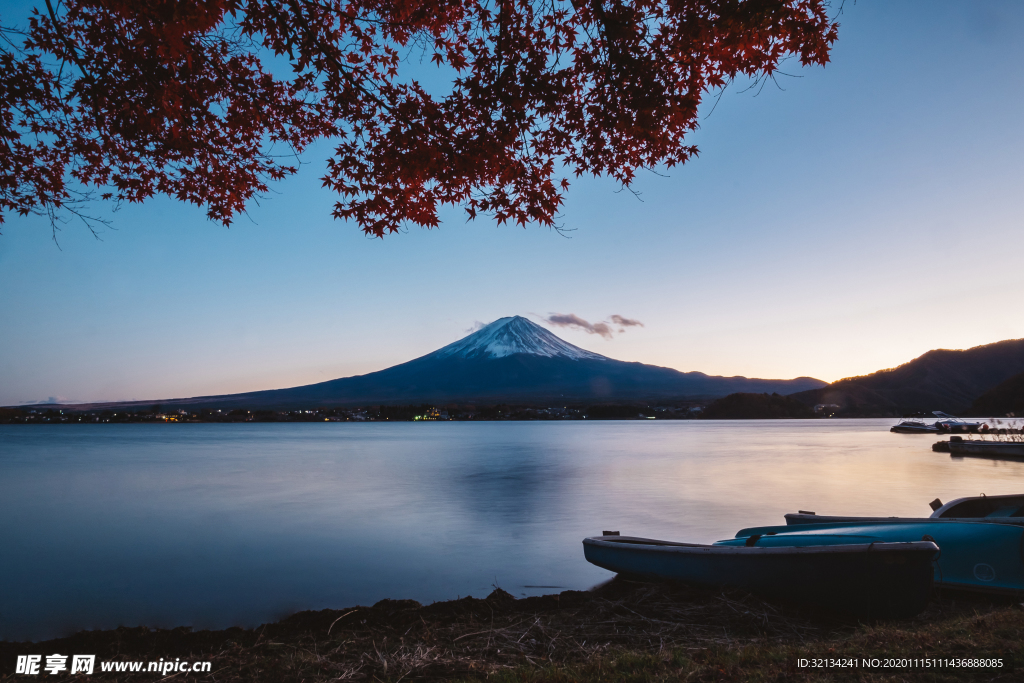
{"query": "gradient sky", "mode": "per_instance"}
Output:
(869, 212)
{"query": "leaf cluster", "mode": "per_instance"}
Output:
(181, 98)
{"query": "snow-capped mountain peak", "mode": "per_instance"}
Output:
(508, 336)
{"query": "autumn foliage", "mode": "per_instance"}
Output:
(209, 101)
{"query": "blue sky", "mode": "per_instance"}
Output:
(864, 215)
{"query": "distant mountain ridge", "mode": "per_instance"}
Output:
(511, 360)
(941, 379)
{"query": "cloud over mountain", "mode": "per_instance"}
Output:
(625, 322)
(603, 328)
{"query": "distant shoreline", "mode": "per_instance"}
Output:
(732, 407)
(85, 418)
(739, 406)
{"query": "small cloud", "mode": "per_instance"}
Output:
(623, 323)
(477, 325)
(626, 322)
(602, 328)
(572, 320)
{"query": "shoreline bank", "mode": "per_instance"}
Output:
(620, 631)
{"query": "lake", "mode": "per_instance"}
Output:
(213, 525)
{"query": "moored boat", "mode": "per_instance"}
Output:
(951, 423)
(946, 423)
(973, 556)
(868, 578)
(914, 427)
(1008, 509)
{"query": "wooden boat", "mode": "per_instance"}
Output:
(973, 556)
(993, 509)
(867, 578)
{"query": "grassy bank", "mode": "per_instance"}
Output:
(622, 631)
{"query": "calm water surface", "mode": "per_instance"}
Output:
(212, 525)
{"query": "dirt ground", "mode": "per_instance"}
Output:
(620, 631)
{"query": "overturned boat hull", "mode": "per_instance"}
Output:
(869, 580)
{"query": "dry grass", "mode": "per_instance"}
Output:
(622, 631)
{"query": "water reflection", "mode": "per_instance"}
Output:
(213, 525)
(511, 485)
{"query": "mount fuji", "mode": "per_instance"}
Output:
(512, 360)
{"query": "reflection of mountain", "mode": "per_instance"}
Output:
(938, 380)
(510, 360)
(512, 486)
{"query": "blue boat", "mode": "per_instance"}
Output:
(973, 555)
(1007, 509)
(867, 578)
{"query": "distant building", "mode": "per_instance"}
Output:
(826, 409)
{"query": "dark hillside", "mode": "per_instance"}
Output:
(938, 380)
(744, 406)
(1006, 398)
